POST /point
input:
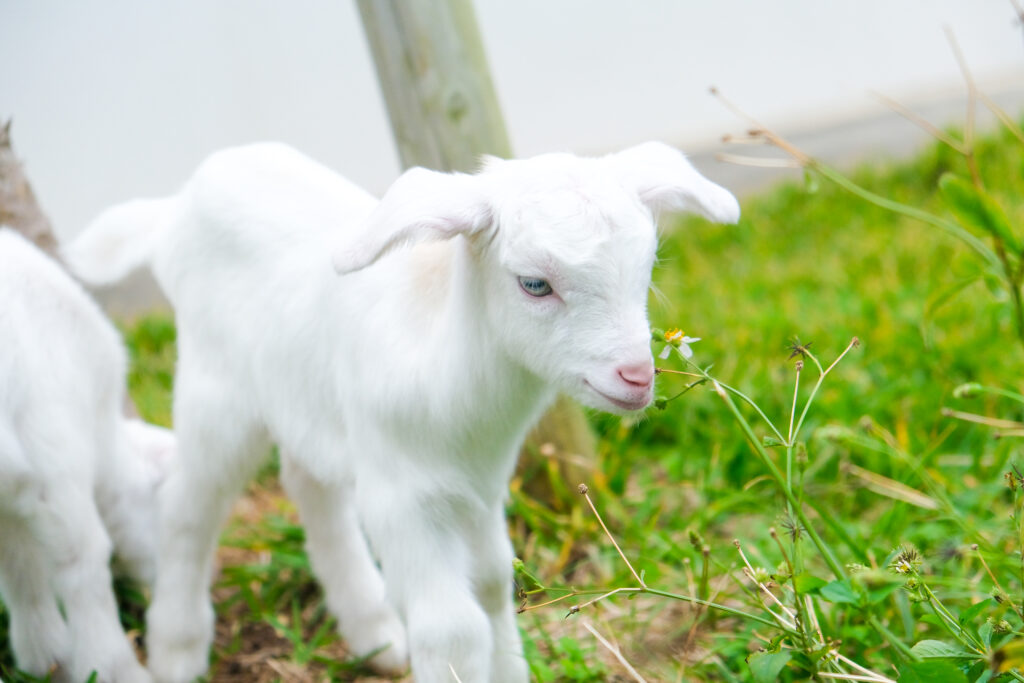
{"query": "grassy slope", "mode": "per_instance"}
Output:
(823, 266)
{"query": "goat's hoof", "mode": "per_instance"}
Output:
(130, 672)
(177, 664)
(385, 635)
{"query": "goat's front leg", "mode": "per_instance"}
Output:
(426, 556)
(351, 581)
(218, 451)
(493, 581)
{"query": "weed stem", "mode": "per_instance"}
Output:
(583, 489)
(826, 553)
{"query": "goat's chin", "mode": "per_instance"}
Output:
(623, 404)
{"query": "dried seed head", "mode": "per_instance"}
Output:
(999, 626)
(582, 488)
(792, 527)
(796, 348)
(907, 561)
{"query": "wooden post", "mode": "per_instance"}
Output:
(18, 206)
(445, 114)
(432, 69)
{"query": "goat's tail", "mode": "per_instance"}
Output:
(120, 240)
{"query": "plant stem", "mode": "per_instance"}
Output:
(893, 640)
(751, 403)
(826, 553)
(821, 378)
(641, 590)
(946, 226)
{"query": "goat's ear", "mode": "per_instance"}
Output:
(665, 181)
(420, 206)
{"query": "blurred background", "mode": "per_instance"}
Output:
(115, 99)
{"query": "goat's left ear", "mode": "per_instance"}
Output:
(665, 181)
(420, 206)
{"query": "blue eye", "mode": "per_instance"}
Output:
(535, 286)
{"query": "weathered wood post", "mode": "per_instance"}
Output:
(445, 114)
(19, 208)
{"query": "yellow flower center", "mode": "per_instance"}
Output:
(675, 335)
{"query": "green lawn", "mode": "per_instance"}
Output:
(883, 477)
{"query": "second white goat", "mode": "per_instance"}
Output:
(77, 480)
(400, 392)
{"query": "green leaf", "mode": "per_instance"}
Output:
(974, 610)
(839, 591)
(765, 666)
(805, 583)
(985, 633)
(876, 595)
(931, 672)
(936, 649)
(975, 208)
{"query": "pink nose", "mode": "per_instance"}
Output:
(639, 374)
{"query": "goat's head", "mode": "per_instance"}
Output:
(566, 246)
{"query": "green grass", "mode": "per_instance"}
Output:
(677, 487)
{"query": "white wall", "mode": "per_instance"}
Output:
(113, 99)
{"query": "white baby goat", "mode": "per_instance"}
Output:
(76, 478)
(400, 392)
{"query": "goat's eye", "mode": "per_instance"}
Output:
(535, 286)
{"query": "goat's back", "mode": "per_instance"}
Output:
(62, 366)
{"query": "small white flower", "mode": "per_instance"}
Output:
(677, 339)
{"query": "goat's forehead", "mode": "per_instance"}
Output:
(583, 246)
(573, 215)
(562, 215)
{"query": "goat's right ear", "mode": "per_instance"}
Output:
(665, 181)
(420, 206)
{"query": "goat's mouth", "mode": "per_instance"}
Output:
(629, 403)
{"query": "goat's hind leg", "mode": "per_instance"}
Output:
(341, 559)
(39, 636)
(80, 549)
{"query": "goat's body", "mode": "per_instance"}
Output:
(65, 472)
(274, 346)
(400, 393)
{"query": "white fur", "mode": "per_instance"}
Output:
(400, 392)
(76, 479)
